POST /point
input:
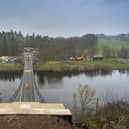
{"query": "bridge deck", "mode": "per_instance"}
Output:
(34, 108)
(28, 90)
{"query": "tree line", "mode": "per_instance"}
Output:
(12, 43)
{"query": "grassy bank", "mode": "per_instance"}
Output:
(72, 66)
(81, 66)
(10, 67)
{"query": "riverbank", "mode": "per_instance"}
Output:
(81, 66)
(10, 67)
(71, 66)
(33, 122)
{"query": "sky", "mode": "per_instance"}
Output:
(65, 17)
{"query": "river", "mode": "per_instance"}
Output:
(59, 88)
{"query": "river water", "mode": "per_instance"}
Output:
(59, 88)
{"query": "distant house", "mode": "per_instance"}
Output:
(34, 51)
(28, 49)
(89, 58)
(5, 58)
(8, 59)
(79, 58)
(98, 57)
(12, 60)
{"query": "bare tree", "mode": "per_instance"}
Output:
(84, 103)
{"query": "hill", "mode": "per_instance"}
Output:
(122, 37)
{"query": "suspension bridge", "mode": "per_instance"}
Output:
(28, 90)
(27, 99)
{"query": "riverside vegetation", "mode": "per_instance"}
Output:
(89, 112)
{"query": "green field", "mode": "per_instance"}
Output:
(115, 44)
(82, 66)
(10, 67)
(72, 66)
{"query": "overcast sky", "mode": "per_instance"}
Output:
(65, 17)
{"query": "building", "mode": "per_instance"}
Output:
(98, 58)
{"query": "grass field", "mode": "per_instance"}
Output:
(81, 66)
(116, 44)
(10, 67)
(72, 66)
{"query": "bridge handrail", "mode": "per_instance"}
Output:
(13, 97)
(37, 89)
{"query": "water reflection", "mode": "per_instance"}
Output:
(124, 72)
(60, 87)
(1, 100)
(56, 77)
(10, 76)
(42, 77)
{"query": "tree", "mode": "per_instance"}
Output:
(86, 97)
(89, 42)
(84, 102)
(124, 52)
(106, 51)
(11, 43)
